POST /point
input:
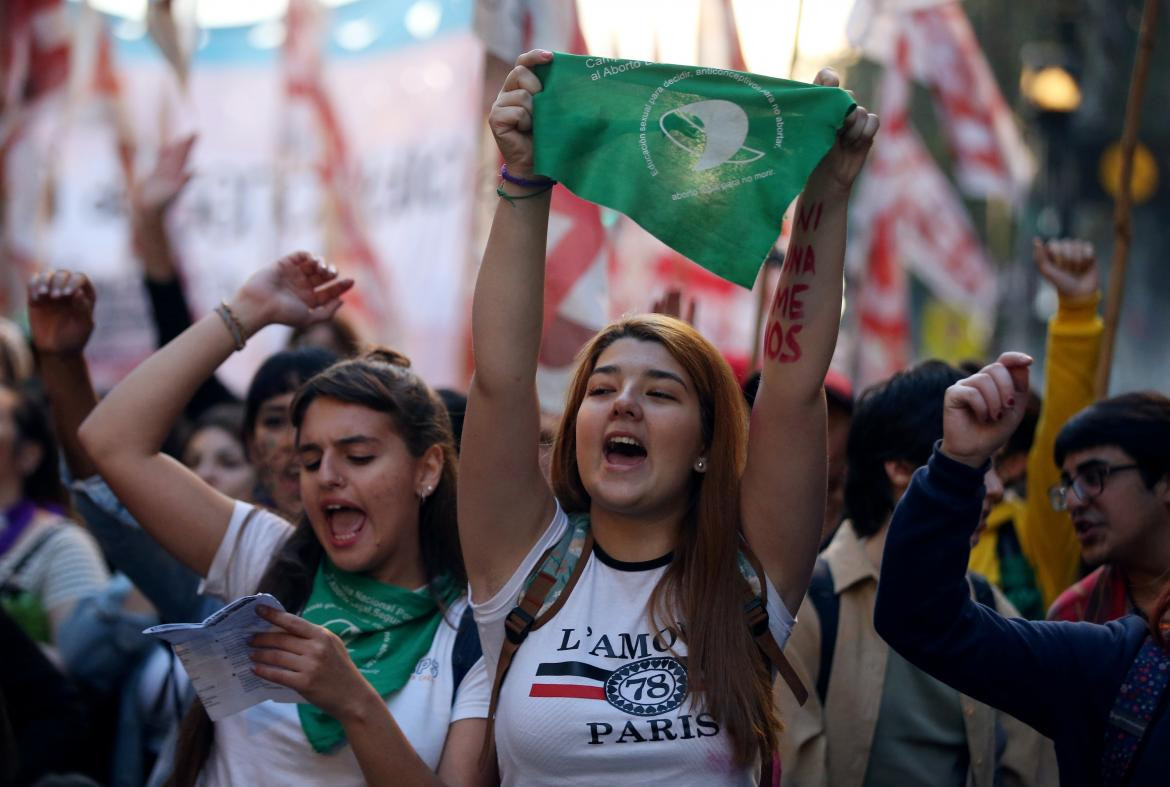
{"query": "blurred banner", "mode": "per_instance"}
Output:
(991, 159)
(907, 214)
(576, 289)
(364, 153)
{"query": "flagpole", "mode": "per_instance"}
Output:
(1123, 203)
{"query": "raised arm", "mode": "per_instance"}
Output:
(782, 497)
(924, 609)
(60, 317)
(504, 501)
(151, 199)
(1070, 367)
(124, 434)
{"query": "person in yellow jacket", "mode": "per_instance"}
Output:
(1029, 550)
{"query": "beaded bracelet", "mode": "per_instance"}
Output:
(508, 176)
(511, 198)
(234, 326)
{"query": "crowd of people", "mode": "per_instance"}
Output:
(699, 582)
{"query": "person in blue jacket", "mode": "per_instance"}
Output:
(1081, 684)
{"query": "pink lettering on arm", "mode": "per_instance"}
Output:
(781, 340)
(810, 216)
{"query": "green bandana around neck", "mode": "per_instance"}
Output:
(386, 630)
(707, 160)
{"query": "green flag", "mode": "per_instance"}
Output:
(707, 160)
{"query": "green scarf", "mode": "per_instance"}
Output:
(386, 630)
(705, 159)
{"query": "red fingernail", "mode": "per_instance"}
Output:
(1011, 401)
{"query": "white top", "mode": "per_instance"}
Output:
(594, 695)
(66, 567)
(266, 745)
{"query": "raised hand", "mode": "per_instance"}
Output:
(60, 311)
(298, 289)
(1069, 265)
(671, 304)
(312, 661)
(510, 118)
(842, 164)
(982, 411)
(154, 194)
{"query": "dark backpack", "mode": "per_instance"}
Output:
(827, 603)
(466, 650)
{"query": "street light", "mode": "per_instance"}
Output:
(1050, 89)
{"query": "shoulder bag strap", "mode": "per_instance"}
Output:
(756, 614)
(44, 538)
(1138, 699)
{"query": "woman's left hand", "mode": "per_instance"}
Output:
(842, 164)
(298, 289)
(311, 660)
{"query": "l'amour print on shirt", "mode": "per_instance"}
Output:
(599, 691)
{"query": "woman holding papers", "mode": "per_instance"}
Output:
(374, 558)
(654, 464)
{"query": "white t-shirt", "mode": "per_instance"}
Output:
(594, 695)
(265, 743)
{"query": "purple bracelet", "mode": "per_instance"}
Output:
(532, 184)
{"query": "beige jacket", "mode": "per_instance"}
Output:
(830, 745)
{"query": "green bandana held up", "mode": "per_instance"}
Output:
(386, 630)
(707, 160)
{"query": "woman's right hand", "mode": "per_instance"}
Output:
(510, 118)
(60, 311)
(1070, 265)
(298, 289)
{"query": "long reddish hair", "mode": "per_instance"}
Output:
(727, 672)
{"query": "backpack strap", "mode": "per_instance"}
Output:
(827, 603)
(466, 650)
(44, 538)
(547, 590)
(755, 613)
(1138, 699)
(982, 590)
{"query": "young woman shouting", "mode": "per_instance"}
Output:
(651, 648)
(373, 567)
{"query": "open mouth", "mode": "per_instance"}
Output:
(624, 451)
(345, 523)
(1088, 531)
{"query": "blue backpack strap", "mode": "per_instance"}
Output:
(466, 650)
(1138, 699)
(827, 603)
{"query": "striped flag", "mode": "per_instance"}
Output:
(312, 113)
(991, 158)
(910, 216)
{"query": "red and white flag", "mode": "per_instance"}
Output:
(910, 217)
(315, 127)
(35, 46)
(991, 158)
(576, 291)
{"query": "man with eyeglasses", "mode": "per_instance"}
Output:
(1115, 484)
